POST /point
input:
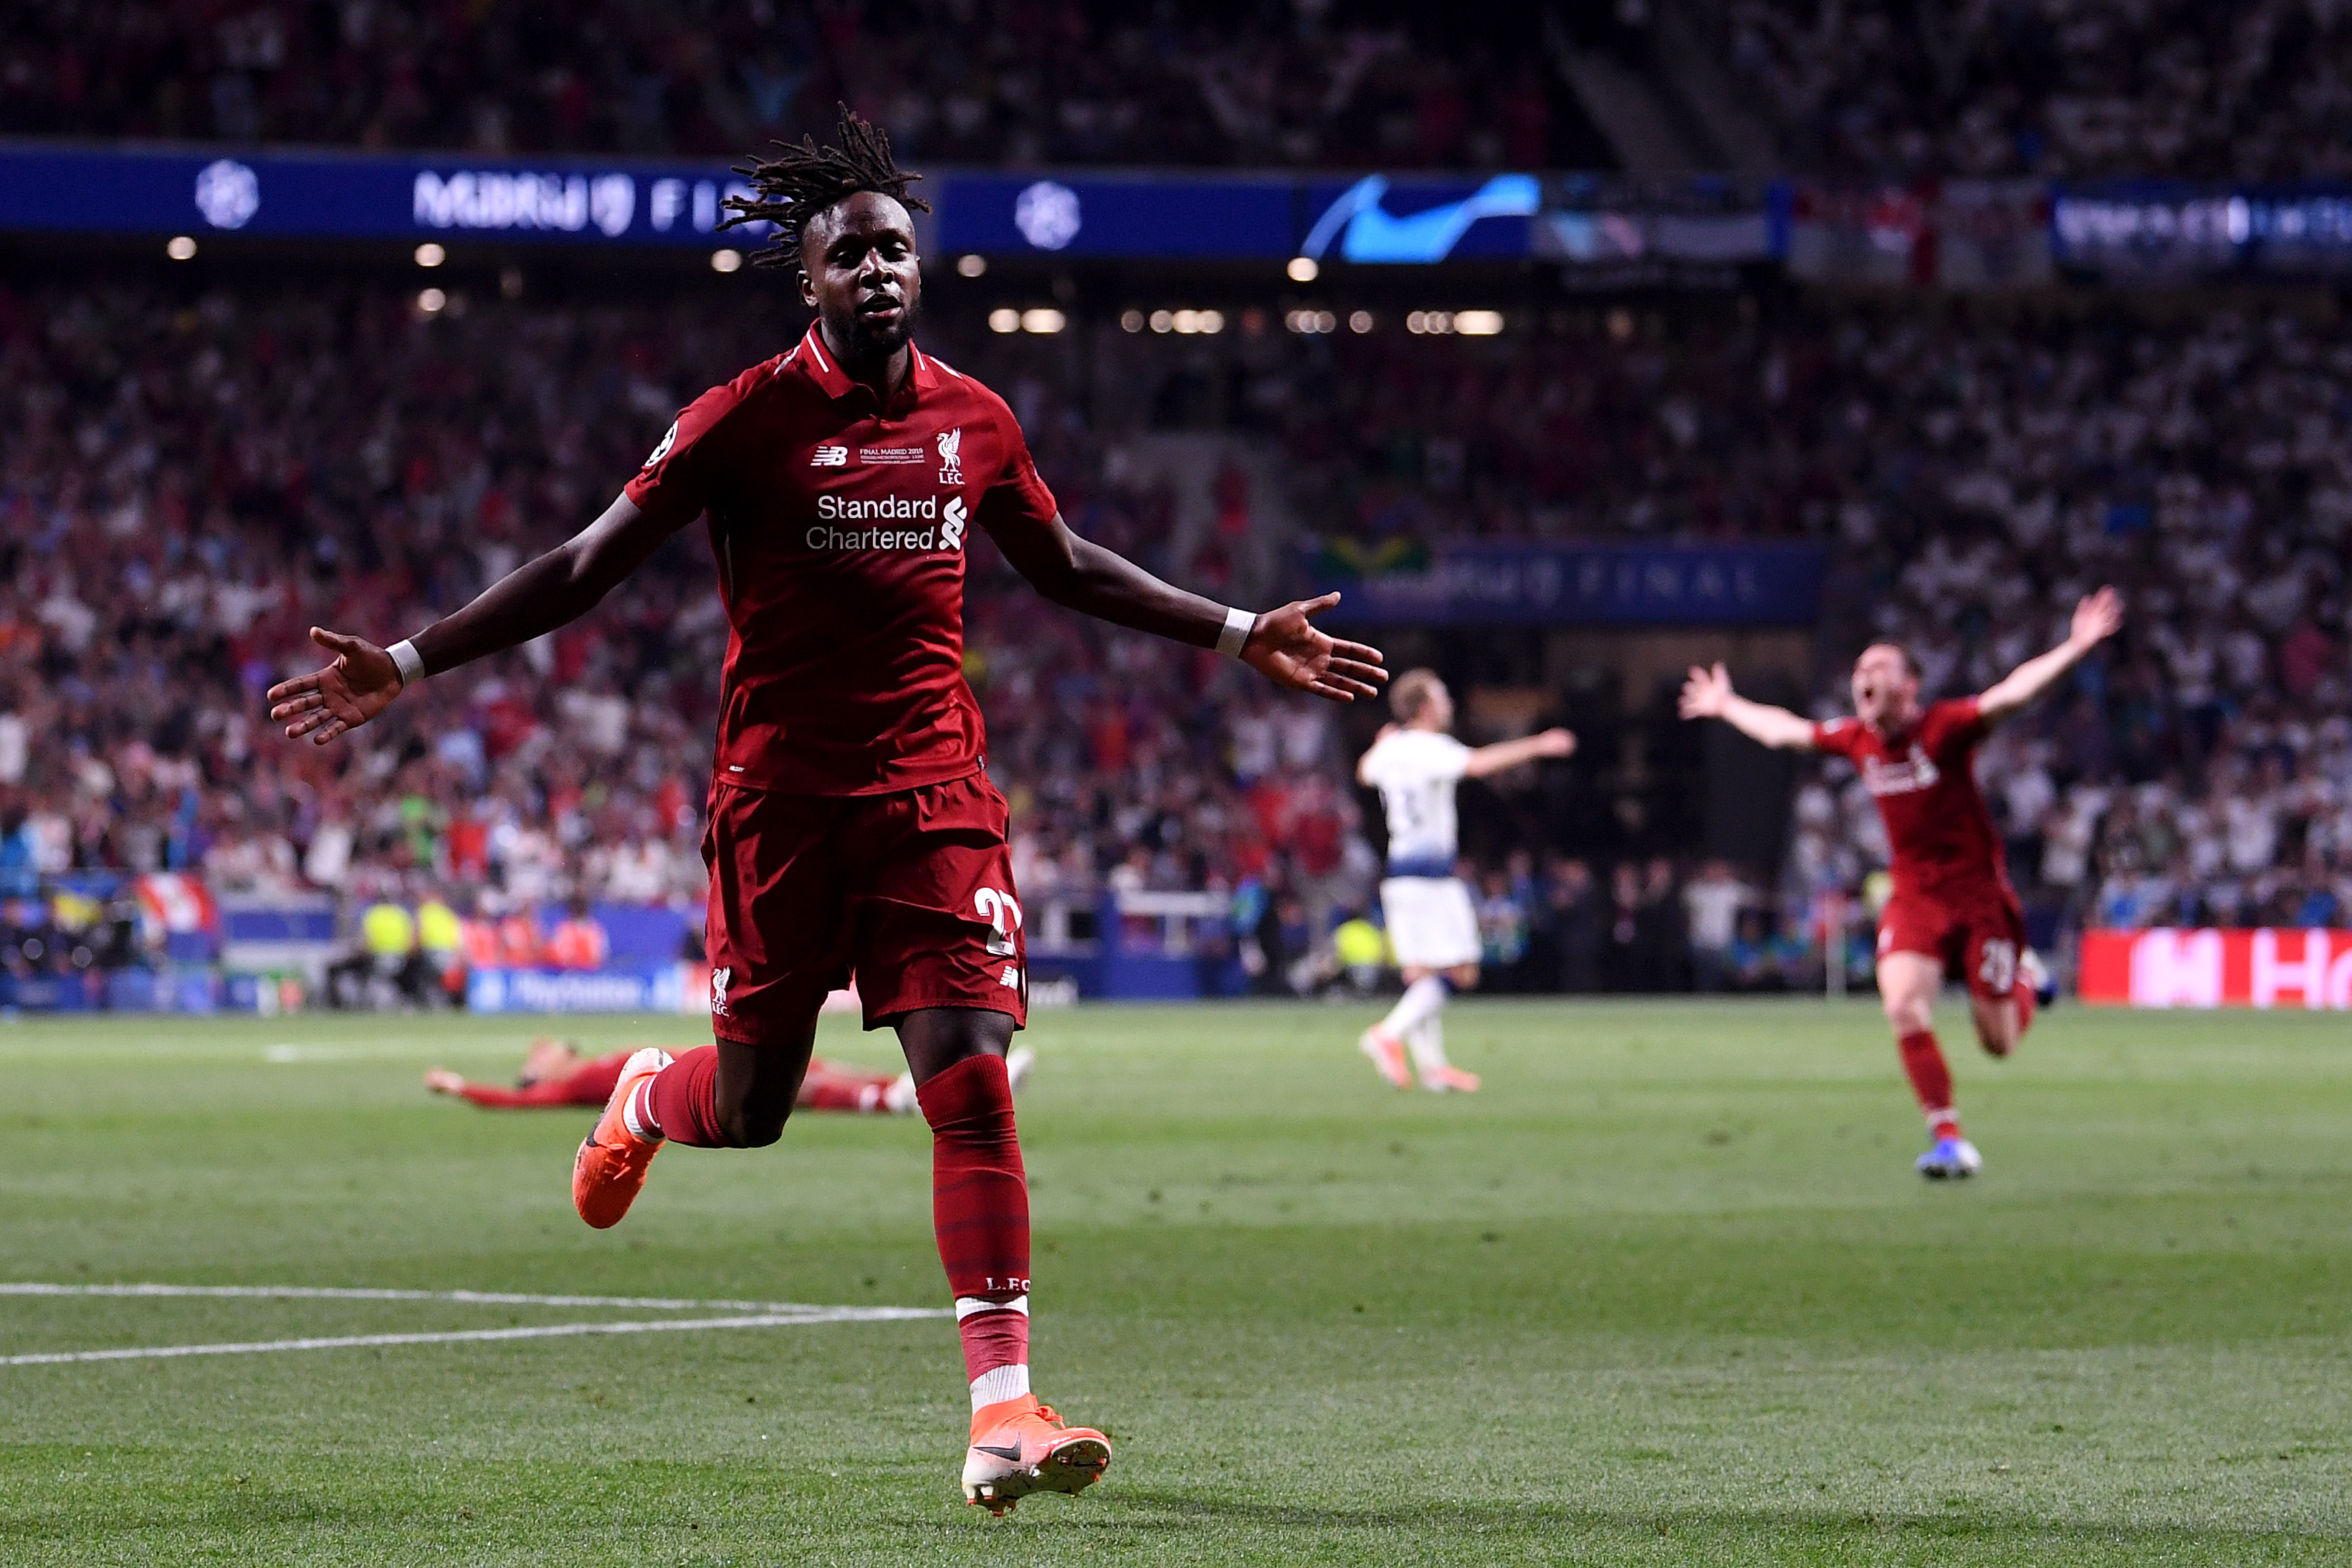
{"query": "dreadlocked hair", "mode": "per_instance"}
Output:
(801, 181)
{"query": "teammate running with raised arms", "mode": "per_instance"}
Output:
(1952, 912)
(1414, 764)
(852, 825)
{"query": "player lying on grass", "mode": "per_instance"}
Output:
(853, 827)
(1952, 912)
(1415, 763)
(555, 1073)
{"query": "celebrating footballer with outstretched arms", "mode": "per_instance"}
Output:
(853, 828)
(1432, 927)
(1952, 911)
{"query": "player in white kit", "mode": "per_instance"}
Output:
(1415, 764)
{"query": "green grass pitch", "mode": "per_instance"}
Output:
(1666, 1292)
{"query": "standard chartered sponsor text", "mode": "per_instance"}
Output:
(823, 538)
(885, 509)
(890, 508)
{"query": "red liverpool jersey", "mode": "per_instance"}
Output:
(1925, 782)
(839, 527)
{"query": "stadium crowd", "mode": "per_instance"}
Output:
(2063, 89)
(983, 82)
(167, 531)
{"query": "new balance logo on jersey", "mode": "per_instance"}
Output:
(1914, 773)
(826, 457)
(951, 522)
(951, 444)
(719, 981)
(1011, 978)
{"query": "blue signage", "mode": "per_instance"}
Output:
(1483, 583)
(1131, 216)
(1415, 220)
(2169, 228)
(617, 989)
(1372, 220)
(355, 196)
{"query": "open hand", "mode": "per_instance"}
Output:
(1706, 693)
(2097, 617)
(1553, 743)
(359, 684)
(1286, 647)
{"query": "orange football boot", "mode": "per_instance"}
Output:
(1019, 1446)
(1387, 1053)
(612, 1163)
(1450, 1080)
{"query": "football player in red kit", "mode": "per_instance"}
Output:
(1952, 912)
(555, 1074)
(853, 827)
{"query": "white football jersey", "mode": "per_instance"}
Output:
(1415, 772)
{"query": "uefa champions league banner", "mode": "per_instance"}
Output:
(1478, 582)
(2262, 968)
(315, 196)
(1405, 220)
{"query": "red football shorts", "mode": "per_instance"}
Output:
(910, 892)
(1975, 933)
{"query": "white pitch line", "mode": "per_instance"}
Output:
(473, 1298)
(541, 1332)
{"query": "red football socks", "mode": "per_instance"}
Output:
(979, 1194)
(682, 1100)
(991, 1341)
(1922, 1062)
(979, 1208)
(2026, 1006)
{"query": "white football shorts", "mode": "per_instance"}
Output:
(1430, 922)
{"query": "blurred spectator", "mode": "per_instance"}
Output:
(1711, 904)
(1760, 958)
(1661, 937)
(1571, 919)
(1502, 929)
(578, 941)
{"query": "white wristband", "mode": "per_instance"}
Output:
(1239, 623)
(411, 663)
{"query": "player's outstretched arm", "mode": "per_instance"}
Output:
(530, 601)
(1503, 755)
(2097, 617)
(1707, 694)
(1283, 645)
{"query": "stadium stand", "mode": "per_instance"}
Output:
(986, 83)
(2053, 88)
(2065, 89)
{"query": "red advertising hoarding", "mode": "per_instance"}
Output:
(2168, 968)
